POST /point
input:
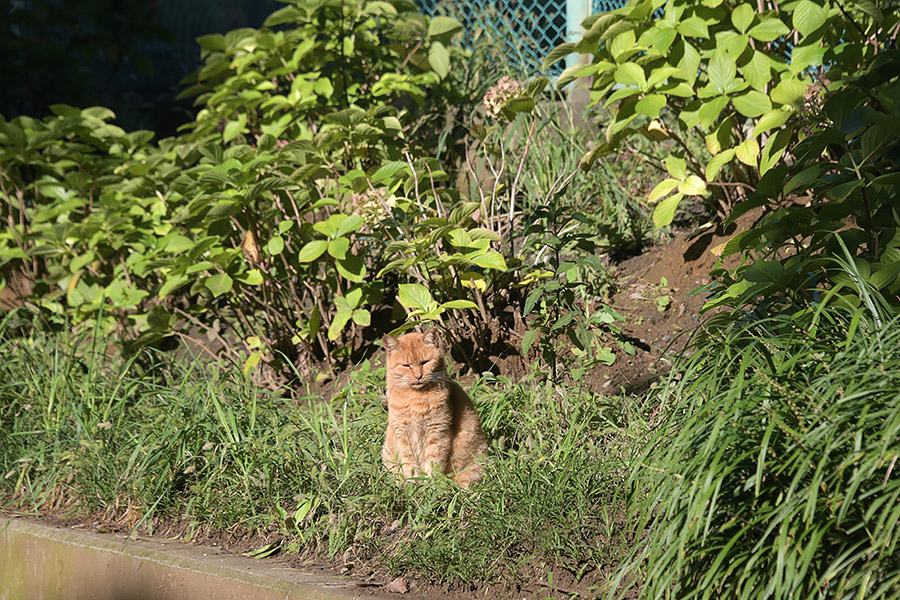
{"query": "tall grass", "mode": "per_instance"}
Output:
(151, 442)
(775, 474)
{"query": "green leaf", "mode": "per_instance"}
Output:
(693, 27)
(251, 277)
(519, 105)
(721, 71)
(234, 128)
(459, 304)
(338, 322)
(676, 166)
(311, 251)
(413, 295)
(631, 74)
(807, 55)
(490, 260)
(389, 169)
(172, 283)
(720, 137)
(439, 59)
(662, 189)
(747, 152)
(650, 105)
(774, 148)
(338, 247)
(808, 17)
(665, 210)
(757, 71)
(774, 118)
(178, 244)
(219, 284)
(349, 225)
(528, 340)
(689, 64)
(717, 162)
(692, 186)
(214, 42)
(249, 364)
(742, 17)
(275, 245)
(788, 91)
(752, 103)
(351, 268)
(443, 26)
(79, 261)
(768, 30)
(712, 109)
(557, 54)
(362, 317)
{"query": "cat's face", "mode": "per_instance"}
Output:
(414, 360)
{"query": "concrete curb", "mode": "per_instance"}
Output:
(42, 562)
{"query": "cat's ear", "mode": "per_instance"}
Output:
(390, 343)
(432, 338)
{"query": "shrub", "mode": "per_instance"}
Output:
(830, 231)
(278, 206)
(736, 71)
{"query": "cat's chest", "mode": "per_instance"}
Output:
(421, 407)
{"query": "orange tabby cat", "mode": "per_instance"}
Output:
(432, 423)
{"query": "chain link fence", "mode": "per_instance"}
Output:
(526, 29)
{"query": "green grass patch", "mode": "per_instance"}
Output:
(151, 441)
(775, 474)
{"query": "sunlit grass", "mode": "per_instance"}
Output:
(149, 441)
(775, 474)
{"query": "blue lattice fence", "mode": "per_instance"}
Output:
(526, 29)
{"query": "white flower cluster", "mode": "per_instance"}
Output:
(503, 91)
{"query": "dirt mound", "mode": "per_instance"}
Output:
(659, 294)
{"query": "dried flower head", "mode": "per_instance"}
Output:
(373, 205)
(503, 91)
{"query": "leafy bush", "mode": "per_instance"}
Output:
(831, 228)
(738, 72)
(291, 190)
(773, 474)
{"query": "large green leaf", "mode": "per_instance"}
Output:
(717, 162)
(752, 103)
(219, 284)
(557, 54)
(351, 268)
(490, 260)
(443, 26)
(721, 71)
(742, 17)
(774, 118)
(650, 105)
(768, 30)
(439, 59)
(631, 74)
(808, 17)
(665, 210)
(414, 295)
(312, 250)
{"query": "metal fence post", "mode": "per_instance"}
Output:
(576, 12)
